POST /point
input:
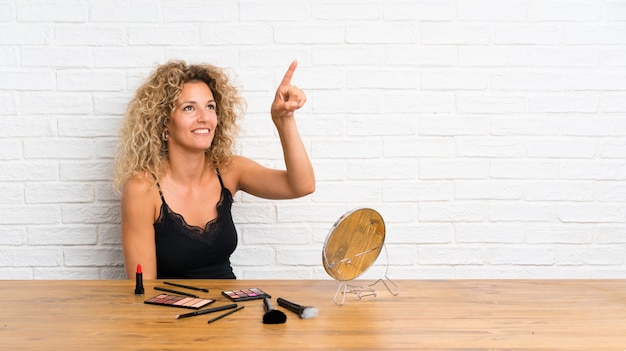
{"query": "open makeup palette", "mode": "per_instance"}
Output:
(179, 301)
(246, 294)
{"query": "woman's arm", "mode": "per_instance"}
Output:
(298, 179)
(138, 215)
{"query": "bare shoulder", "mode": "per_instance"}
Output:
(139, 186)
(239, 163)
(141, 191)
(233, 172)
(140, 198)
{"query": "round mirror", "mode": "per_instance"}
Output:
(353, 244)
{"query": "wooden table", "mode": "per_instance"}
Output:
(429, 315)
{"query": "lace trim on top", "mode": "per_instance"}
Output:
(178, 221)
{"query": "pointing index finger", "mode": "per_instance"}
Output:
(287, 78)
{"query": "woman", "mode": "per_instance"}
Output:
(178, 173)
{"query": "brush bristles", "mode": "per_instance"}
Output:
(305, 312)
(274, 317)
(308, 312)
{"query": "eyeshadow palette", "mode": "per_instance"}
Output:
(246, 294)
(179, 301)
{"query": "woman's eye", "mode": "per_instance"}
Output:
(211, 107)
(188, 108)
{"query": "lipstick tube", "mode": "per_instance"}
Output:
(139, 282)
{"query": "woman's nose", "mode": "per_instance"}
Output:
(204, 115)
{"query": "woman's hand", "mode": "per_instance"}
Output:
(288, 97)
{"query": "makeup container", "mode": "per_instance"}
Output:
(246, 294)
(179, 301)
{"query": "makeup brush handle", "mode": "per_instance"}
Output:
(267, 304)
(293, 307)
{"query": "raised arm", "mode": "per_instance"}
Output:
(298, 179)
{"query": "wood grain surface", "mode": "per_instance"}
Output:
(426, 315)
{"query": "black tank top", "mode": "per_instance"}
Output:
(186, 251)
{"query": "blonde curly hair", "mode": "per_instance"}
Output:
(141, 150)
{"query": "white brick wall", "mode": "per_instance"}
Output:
(491, 135)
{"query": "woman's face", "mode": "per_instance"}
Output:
(192, 124)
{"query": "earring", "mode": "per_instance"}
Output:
(165, 136)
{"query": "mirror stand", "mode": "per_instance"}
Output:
(352, 289)
(361, 292)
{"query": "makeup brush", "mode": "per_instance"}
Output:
(305, 312)
(271, 315)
